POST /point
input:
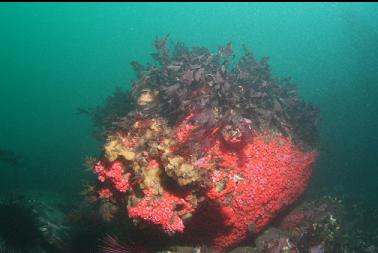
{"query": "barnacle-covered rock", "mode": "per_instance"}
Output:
(232, 136)
(275, 240)
(315, 226)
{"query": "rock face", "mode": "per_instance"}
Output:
(209, 153)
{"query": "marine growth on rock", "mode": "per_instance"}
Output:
(209, 149)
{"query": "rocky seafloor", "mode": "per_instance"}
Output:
(43, 223)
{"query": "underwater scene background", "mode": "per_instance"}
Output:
(60, 60)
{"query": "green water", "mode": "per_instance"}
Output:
(55, 58)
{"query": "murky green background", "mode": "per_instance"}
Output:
(56, 57)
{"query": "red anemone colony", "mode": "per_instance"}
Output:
(212, 150)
